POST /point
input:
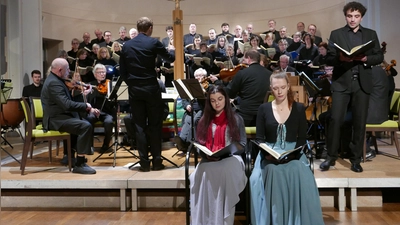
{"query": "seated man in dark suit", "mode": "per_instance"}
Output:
(61, 114)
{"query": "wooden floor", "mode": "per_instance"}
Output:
(389, 214)
(380, 167)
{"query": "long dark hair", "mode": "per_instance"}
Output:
(209, 114)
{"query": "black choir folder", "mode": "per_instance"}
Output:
(217, 154)
(189, 89)
(275, 154)
(359, 49)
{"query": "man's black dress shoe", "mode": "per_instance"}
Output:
(356, 167)
(327, 164)
(158, 167)
(370, 155)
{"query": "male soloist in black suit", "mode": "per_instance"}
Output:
(60, 113)
(137, 68)
(351, 82)
(251, 85)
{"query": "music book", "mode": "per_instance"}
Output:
(263, 36)
(262, 48)
(115, 57)
(84, 70)
(219, 153)
(212, 46)
(243, 46)
(219, 63)
(87, 49)
(228, 37)
(167, 70)
(189, 89)
(70, 59)
(277, 154)
(189, 55)
(358, 49)
(189, 46)
(198, 60)
(271, 52)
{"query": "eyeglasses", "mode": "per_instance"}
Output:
(101, 72)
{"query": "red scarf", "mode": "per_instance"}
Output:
(218, 141)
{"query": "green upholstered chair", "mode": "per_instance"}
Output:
(32, 134)
(391, 126)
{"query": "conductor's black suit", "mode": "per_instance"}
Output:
(137, 68)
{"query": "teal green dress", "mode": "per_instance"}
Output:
(283, 194)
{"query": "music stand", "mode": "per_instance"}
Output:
(312, 87)
(5, 93)
(113, 97)
(192, 90)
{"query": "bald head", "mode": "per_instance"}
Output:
(60, 67)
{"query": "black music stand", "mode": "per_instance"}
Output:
(5, 93)
(116, 145)
(316, 92)
(192, 90)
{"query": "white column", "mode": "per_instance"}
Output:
(24, 38)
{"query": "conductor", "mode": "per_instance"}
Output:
(137, 63)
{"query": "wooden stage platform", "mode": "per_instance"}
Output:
(50, 185)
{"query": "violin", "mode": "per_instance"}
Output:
(205, 82)
(77, 85)
(228, 74)
(387, 66)
(102, 87)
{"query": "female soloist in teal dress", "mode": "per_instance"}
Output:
(286, 193)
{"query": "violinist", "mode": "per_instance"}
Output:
(61, 114)
(98, 98)
(249, 84)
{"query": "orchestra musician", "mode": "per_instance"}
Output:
(351, 82)
(249, 84)
(60, 112)
(98, 99)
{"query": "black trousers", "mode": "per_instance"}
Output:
(147, 112)
(359, 100)
(108, 124)
(81, 134)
